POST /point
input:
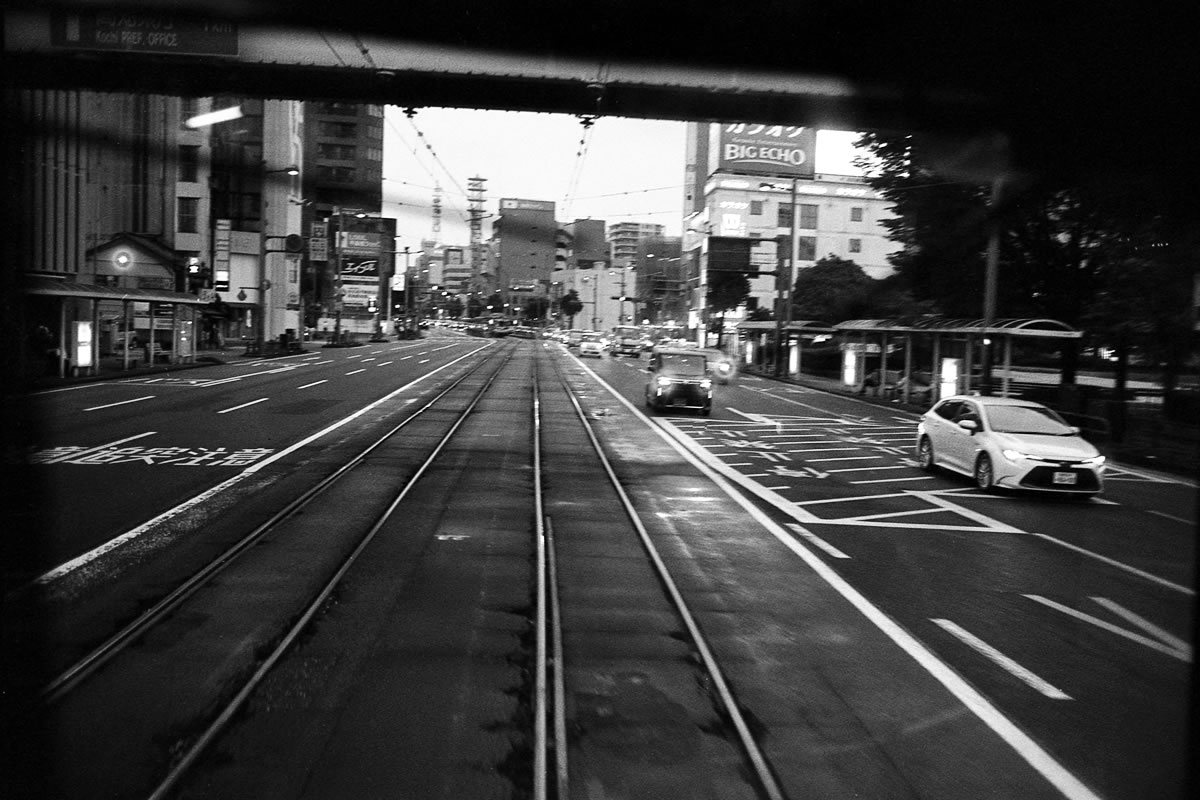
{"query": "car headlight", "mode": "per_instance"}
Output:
(706, 384)
(1094, 461)
(1015, 456)
(664, 382)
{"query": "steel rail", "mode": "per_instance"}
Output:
(754, 754)
(193, 752)
(90, 663)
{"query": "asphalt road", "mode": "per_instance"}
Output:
(115, 454)
(1063, 627)
(1073, 618)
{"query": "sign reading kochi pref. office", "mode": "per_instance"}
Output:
(140, 32)
(747, 148)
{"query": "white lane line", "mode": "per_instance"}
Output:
(1119, 565)
(244, 405)
(1164, 636)
(817, 540)
(405, 358)
(1012, 667)
(1172, 517)
(384, 363)
(122, 403)
(355, 371)
(848, 458)
(314, 383)
(205, 496)
(97, 448)
(1021, 743)
(867, 469)
(424, 361)
(371, 358)
(1153, 644)
(892, 480)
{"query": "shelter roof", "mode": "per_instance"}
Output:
(55, 287)
(1032, 327)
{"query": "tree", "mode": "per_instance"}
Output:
(831, 290)
(726, 291)
(1099, 255)
(570, 306)
(454, 308)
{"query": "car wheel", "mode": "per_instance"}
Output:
(984, 476)
(925, 455)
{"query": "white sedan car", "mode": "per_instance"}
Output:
(1008, 443)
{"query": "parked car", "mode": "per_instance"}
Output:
(679, 379)
(592, 344)
(1008, 443)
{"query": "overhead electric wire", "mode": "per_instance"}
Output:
(580, 159)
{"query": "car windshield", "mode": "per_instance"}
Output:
(683, 364)
(1027, 419)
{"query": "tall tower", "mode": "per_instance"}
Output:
(475, 201)
(437, 214)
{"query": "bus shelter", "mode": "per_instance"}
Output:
(74, 324)
(951, 357)
(757, 343)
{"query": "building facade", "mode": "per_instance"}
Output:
(189, 224)
(740, 181)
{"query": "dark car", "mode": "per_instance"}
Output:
(679, 379)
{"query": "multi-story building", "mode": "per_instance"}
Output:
(522, 251)
(625, 238)
(739, 210)
(124, 194)
(343, 185)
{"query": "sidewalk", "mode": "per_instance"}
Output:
(113, 367)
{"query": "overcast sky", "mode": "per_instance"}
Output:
(629, 169)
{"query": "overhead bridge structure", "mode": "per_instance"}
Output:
(1090, 96)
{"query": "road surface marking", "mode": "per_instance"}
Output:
(1012, 667)
(98, 448)
(1146, 625)
(205, 496)
(1167, 516)
(1114, 563)
(244, 405)
(314, 383)
(1153, 644)
(817, 540)
(384, 363)
(355, 371)
(123, 402)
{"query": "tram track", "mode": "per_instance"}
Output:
(273, 613)
(709, 672)
(322, 577)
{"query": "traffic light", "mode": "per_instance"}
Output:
(372, 305)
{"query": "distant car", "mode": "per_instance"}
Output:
(1008, 443)
(592, 344)
(679, 379)
(721, 366)
(573, 338)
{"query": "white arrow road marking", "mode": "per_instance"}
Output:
(1153, 644)
(1012, 667)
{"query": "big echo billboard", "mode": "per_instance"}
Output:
(747, 148)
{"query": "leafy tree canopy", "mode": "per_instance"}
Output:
(727, 290)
